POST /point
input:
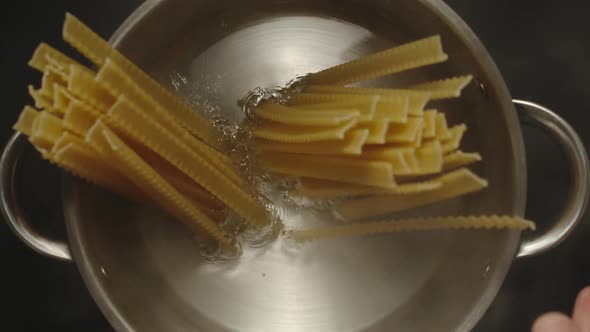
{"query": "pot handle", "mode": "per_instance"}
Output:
(11, 208)
(573, 147)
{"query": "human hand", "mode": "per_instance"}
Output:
(558, 322)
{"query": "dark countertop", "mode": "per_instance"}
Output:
(542, 49)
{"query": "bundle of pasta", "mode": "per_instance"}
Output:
(382, 144)
(118, 128)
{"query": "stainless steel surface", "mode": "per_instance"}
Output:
(11, 208)
(578, 159)
(146, 273)
(129, 256)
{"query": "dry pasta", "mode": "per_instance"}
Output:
(300, 134)
(395, 156)
(372, 173)
(396, 109)
(79, 117)
(366, 108)
(429, 124)
(455, 183)
(456, 133)
(41, 101)
(83, 85)
(46, 129)
(430, 158)
(352, 144)
(460, 159)
(124, 118)
(325, 189)
(81, 160)
(25, 121)
(407, 56)
(445, 88)
(387, 92)
(151, 183)
(117, 83)
(98, 50)
(442, 131)
(414, 224)
(377, 130)
(298, 117)
(405, 133)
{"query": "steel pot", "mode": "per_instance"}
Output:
(146, 273)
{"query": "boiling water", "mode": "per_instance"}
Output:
(237, 141)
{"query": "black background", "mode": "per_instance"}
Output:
(541, 47)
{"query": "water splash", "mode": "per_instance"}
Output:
(215, 253)
(236, 141)
(277, 94)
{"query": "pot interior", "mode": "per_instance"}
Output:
(145, 270)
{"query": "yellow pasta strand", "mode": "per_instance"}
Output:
(412, 160)
(182, 182)
(442, 131)
(82, 160)
(125, 118)
(293, 116)
(41, 101)
(415, 224)
(45, 56)
(325, 189)
(47, 129)
(61, 99)
(366, 108)
(385, 92)
(112, 75)
(291, 134)
(455, 183)
(150, 182)
(372, 173)
(416, 105)
(48, 81)
(456, 133)
(459, 159)
(79, 117)
(351, 144)
(377, 130)
(429, 124)
(405, 133)
(445, 88)
(83, 85)
(394, 156)
(57, 68)
(430, 158)
(194, 192)
(396, 109)
(48, 59)
(404, 57)
(98, 50)
(66, 139)
(118, 83)
(416, 99)
(25, 121)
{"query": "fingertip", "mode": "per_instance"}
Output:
(581, 313)
(583, 299)
(554, 322)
